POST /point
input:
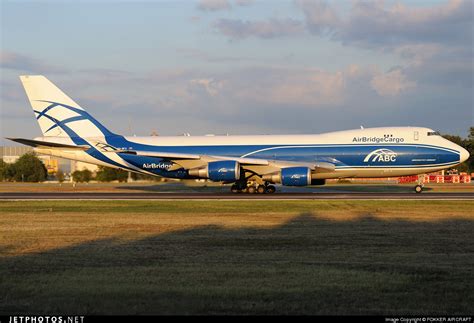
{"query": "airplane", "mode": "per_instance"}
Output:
(251, 163)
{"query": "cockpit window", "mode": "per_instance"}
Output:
(434, 133)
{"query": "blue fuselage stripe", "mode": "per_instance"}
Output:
(344, 156)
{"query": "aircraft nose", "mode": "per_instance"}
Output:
(464, 155)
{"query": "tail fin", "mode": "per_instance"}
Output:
(57, 114)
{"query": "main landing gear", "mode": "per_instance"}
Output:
(252, 188)
(418, 188)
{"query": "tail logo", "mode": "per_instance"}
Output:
(82, 115)
(381, 156)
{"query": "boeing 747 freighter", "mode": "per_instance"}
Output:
(251, 163)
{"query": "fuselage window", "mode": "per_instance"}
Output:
(434, 133)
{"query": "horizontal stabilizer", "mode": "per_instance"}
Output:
(38, 143)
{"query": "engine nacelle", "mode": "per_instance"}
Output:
(223, 171)
(296, 176)
(293, 172)
(291, 176)
(218, 171)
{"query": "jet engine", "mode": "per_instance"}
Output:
(291, 176)
(218, 171)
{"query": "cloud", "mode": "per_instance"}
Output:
(18, 62)
(374, 24)
(210, 85)
(216, 5)
(300, 86)
(202, 55)
(391, 83)
(368, 24)
(272, 28)
(433, 43)
(417, 54)
(213, 5)
(244, 2)
(320, 17)
(10, 92)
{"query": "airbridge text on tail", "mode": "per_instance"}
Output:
(251, 163)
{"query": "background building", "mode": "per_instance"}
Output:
(10, 154)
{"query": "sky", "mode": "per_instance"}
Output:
(243, 66)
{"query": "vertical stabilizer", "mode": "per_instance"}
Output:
(57, 114)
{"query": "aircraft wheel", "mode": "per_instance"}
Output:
(271, 189)
(234, 189)
(418, 189)
(261, 189)
(251, 189)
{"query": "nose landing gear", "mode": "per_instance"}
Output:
(419, 186)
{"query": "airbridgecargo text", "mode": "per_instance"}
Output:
(156, 166)
(378, 140)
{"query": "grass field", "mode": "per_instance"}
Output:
(237, 257)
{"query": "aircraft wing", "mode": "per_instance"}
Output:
(258, 165)
(192, 160)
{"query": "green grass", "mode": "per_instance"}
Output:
(237, 257)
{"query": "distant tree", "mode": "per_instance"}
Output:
(122, 176)
(82, 176)
(456, 139)
(468, 144)
(60, 176)
(145, 177)
(28, 168)
(107, 174)
(5, 171)
(470, 148)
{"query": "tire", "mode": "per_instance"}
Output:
(418, 189)
(251, 189)
(234, 189)
(271, 189)
(261, 189)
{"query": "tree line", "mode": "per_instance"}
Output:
(468, 144)
(29, 168)
(107, 174)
